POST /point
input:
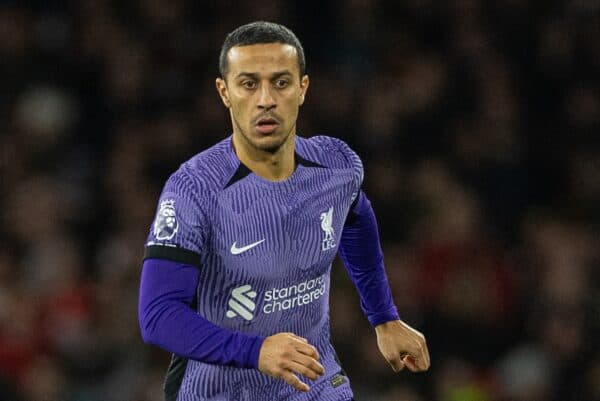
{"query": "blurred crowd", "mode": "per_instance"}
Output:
(478, 125)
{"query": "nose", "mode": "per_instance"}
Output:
(266, 101)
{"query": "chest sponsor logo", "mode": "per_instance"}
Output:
(236, 251)
(242, 304)
(328, 232)
(165, 223)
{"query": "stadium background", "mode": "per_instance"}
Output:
(478, 126)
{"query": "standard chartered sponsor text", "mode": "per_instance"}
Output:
(280, 299)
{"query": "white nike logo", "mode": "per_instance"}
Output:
(236, 251)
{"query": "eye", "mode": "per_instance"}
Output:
(249, 84)
(281, 83)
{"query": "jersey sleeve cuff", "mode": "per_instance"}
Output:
(172, 253)
(383, 317)
(254, 347)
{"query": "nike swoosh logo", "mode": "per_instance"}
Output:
(236, 251)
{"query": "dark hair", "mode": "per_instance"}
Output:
(260, 32)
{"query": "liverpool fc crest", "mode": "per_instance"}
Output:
(327, 227)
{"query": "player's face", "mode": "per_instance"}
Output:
(263, 91)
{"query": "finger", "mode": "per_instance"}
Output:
(415, 364)
(410, 363)
(396, 364)
(309, 362)
(422, 353)
(309, 350)
(426, 353)
(303, 370)
(419, 363)
(420, 356)
(297, 337)
(293, 381)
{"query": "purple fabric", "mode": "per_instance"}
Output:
(361, 253)
(167, 319)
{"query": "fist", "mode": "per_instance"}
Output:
(401, 346)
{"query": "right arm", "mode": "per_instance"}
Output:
(167, 320)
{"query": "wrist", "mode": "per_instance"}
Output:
(386, 326)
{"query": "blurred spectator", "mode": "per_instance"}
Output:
(525, 374)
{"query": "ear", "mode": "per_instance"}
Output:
(304, 82)
(222, 91)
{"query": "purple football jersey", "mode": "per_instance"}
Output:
(264, 251)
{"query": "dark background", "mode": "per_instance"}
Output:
(477, 122)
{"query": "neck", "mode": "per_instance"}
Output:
(272, 166)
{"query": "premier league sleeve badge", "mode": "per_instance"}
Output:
(165, 224)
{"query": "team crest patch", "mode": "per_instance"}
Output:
(327, 227)
(165, 224)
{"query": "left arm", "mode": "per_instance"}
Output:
(361, 253)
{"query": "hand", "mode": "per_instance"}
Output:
(401, 345)
(283, 355)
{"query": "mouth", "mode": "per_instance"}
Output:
(266, 125)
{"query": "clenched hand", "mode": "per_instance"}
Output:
(284, 355)
(401, 346)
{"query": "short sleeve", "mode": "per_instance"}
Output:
(178, 232)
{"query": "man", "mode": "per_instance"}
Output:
(235, 281)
